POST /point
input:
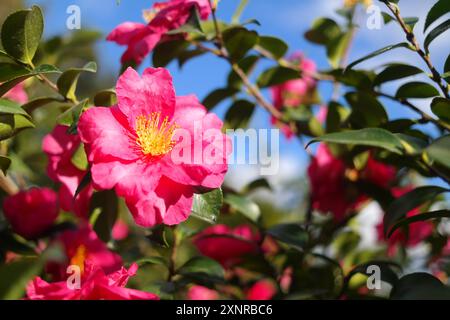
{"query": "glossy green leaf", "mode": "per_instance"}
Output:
(217, 96)
(202, 268)
(367, 111)
(373, 137)
(21, 34)
(5, 162)
(11, 107)
(418, 90)
(323, 31)
(441, 108)
(246, 64)
(167, 51)
(238, 41)
(106, 203)
(439, 151)
(239, 114)
(11, 124)
(207, 205)
(435, 33)
(291, 234)
(16, 275)
(275, 46)
(105, 98)
(67, 82)
(440, 8)
(276, 75)
(439, 214)
(34, 104)
(411, 22)
(419, 286)
(244, 205)
(152, 260)
(378, 52)
(395, 72)
(336, 49)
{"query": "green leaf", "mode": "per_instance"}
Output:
(11, 124)
(387, 18)
(256, 184)
(387, 274)
(105, 98)
(276, 75)
(238, 41)
(441, 108)
(435, 33)
(187, 55)
(5, 162)
(244, 205)
(106, 203)
(152, 260)
(71, 116)
(323, 31)
(394, 72)
(291, 234)
(79, 158)
(337, 47)
(367, 111)
(21, 34)
(246, 64)
(440, 8)
(419, 286)
(217, 96)
(87, 179)
(167, 51)
(239, 114)
(378, 52)
(67, 82)
(192, 25)
(12, 82)
(11, 107)
(202, 268)
(439, 151)
(373, 137)
(416, 90)
(439, 214)
(407, 202)
(275, 46)
(411, 22)
(237, 14)
(32, 105)
(16, 275)
(336, 114)
(207, 205)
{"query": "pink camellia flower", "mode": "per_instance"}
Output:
(227, 245)
(330, 179)
(60, 148)
(31, 212)
(262, 290)
(95, 285)
(417, 231)
(294, 93)
(83, 245)
(120, 230)
(197, 292)
(163, 17)
(154, 148)
(17, 94)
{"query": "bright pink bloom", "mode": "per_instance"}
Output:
(197, 292)
(294, 93)
(227, 245)
(31, 212)
(165, 16)
(17, 94)
(120, 230)
(417, 231)
(95, 285)
(60, 148)
(262, 290)
(152, 146)
(83, 245)
(330, 180)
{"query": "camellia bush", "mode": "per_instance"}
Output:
(119, 193)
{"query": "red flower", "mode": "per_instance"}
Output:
(60, 148)
(197, 292)
(330, 179)
(163, 17)
(227, 245)
(120, 230)
(417, 231)
(31, 212)
(152, 147)
(83, 245)
(262, 290)
(95, 285)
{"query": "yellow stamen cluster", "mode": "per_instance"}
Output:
(154, 137)
(79, 257)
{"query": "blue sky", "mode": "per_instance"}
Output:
(288, 19)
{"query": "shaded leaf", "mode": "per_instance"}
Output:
(239, 114)
(207, 206)
(417, 218)
(439, 9)
(439, 151)
(435, 33)
(441, 108)
(378, 52)
(67, 82)
(244, 205)
(275, 46)
(276, 75)
(416, 90)
(238, 41)
(419, 286)
(291, 234)
(395, 72)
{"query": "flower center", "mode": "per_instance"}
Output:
(79, 257)
(154, 137)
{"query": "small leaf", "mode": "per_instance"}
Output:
(21, 34)
(5, 162)
(11, 107)
(244, 205)
(439, 151)
(378, 52)
(439, 214)
(418, 90)
(238, 41)
(276, 75)
(167, 51)
(105, 98)
(107, 203)
(440, 8)
(217, 96)
(373, 137)
(203, 268)
(11, 124)
(275, 46)
(87, 179)
(336, 48)
(395, 72)
(67, 82)
(387, 274)
(239, 114)
(435, 33)
(323, 31)
(411, 22)
(291, 234)
(246, 64)
(152, 260)
(409, 201)
(256, 184)
(207, 206)
(32, 105)
(441, 108)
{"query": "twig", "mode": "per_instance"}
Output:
(435, 76)
(8, 185)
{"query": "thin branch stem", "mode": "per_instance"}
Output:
(435, 76)
(8, 185)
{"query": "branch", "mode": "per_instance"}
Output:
(8, 185)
